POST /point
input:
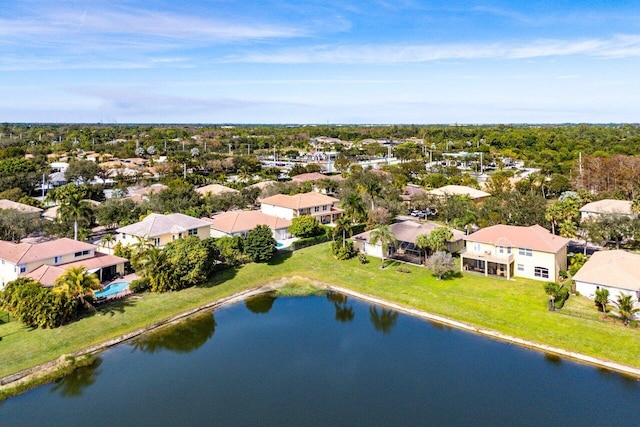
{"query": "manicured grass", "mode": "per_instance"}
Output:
(517, 308)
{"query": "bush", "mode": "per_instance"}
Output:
(403, 269)
(343, 252)
(305, 226)
(363, 258)
(309, 241)
(140, 285)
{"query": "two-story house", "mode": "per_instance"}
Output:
(25, 259)
(323, 207)
(159, 229)
(509, 250)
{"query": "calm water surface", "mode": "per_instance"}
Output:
(326, 361)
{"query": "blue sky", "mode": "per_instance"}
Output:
(400, 61)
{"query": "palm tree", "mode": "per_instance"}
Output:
(108, 240)
(385, 236)
(373, 188)
(602, 299)
(626, 307)
(76, 283)
(70, 198)
(342, 227)
(353, 206)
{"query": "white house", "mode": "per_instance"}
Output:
(509, 250)
(239, 223)
(615, 270)
(606, 207)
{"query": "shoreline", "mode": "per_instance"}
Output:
(24, 377)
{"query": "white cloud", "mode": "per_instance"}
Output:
(617, 46)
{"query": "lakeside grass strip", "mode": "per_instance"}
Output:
(511, 308)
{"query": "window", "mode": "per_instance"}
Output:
(475, 247)
(325, 207)
(156, 242)
(316, 209)
(57, 259)
(541, 272)
(525, 252)
(520, 267)
(81, 253)
(193, 232)
(23, 268)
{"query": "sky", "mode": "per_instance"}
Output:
(320, 62)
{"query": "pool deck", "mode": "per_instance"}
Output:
(126, 292)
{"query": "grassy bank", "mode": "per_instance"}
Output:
(515, 308)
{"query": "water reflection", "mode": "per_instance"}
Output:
(260, 304)
(73, 384)
(183, 337)
(553, 358)
(383, 319)
(344, 312)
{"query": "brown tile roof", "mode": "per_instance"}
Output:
(615, 268)
(240, 221)
(21, 253)
(21, 207)
(534, 237)
(299, 201)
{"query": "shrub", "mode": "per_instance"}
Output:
(305, 226)
(363, 259)
(403, 269)
(343, 252)
(140, 285)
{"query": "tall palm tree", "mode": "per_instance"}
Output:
(373, 188)
(353, 206)
(77, 284)
(626, 307)
(70, 198)
(386, 237)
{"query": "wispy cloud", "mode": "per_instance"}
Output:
(615, 47)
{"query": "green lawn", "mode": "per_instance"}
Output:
(516, 308)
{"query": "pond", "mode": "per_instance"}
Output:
(325, 361)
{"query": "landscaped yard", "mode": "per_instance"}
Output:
(517, 307)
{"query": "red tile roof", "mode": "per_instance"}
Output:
(22, 253)
(534, 237)
(240, 221)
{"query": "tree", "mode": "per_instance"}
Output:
(259, 244)
(439, 238)
(576, 262)
(385, 237)
(602, 299)
(304, 226)
(154, 265)
(117, 213)
(108, 240)
(557, 294)
(77, 284)
(192, 261)
(70, 198)
(82, 171)
(34, 305)
(342, 229)
(441, 263)
(353, 207)
(626, 307)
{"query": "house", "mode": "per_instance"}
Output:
(215, 190)
(606, 207)
(31, 260)
(411, 191)
(313, 177)
(239, 223)
(142, 194)
(160, 229)
(323, 207)
(615, 270)
(20, 207)
(460, 190)
(509, 250)
(406, 233)
(51, 213)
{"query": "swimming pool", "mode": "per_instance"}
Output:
(112, 289)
